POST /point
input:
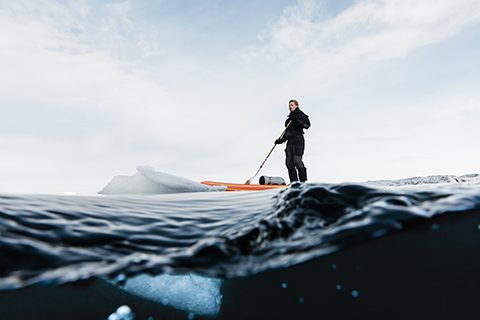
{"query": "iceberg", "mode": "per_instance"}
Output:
(191, 293)
(147, 180)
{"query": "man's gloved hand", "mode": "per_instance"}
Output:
(278, 141)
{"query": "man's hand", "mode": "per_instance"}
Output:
(278, 141)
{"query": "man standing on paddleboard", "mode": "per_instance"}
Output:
(296, 121)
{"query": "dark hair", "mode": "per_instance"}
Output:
(294, 101)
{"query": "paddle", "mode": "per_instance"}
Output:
(268, 155)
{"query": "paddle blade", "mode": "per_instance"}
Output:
(248, 181)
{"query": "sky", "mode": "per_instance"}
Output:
(200, 89)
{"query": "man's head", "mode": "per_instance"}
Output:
(292, 105)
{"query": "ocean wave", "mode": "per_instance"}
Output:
(59, 239)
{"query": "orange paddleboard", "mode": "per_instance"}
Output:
(243, 187)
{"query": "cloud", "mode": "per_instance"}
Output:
(77, 91)
(54, 63)
(370, 30)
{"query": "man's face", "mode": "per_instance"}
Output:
(292, 106)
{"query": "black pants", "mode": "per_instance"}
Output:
(294, 154)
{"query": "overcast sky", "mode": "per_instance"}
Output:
(200, 89)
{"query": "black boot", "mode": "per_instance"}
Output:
(302, 174)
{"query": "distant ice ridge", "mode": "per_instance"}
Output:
(149, 181)
(436, 179)
(190, 293)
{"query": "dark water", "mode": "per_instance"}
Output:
(58, 239)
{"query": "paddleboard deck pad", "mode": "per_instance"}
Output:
(243, 187)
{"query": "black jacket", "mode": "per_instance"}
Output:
(300, 121)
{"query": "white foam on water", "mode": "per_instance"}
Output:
(149, 181)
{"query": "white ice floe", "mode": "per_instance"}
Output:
(437, 179)
(149, 181)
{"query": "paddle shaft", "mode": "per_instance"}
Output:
(268, 155)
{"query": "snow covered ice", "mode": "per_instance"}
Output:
(149, 181)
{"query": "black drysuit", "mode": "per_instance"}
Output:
(295, 144)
